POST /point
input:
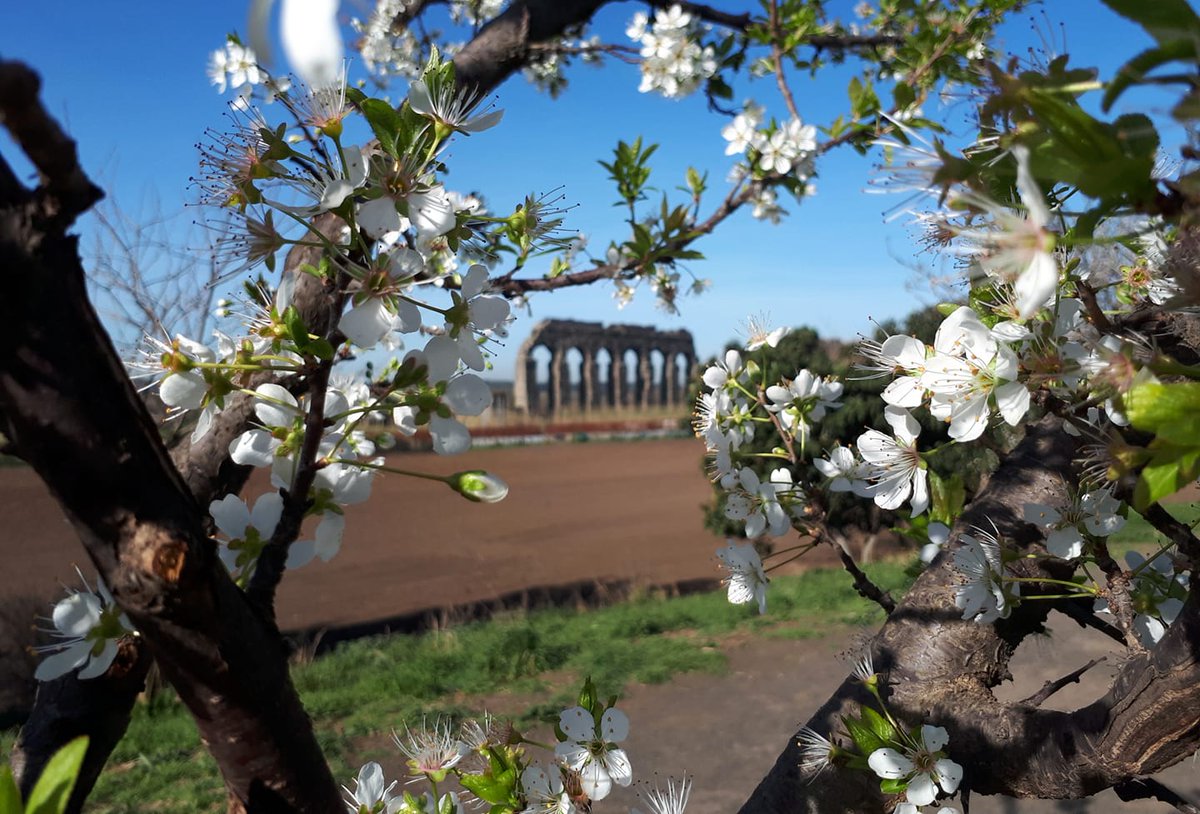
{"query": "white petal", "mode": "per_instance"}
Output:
(467, 395)
(921, 790)
(301, 553)
(329, 535)
(902, 423)
(276, 407)
(1066, 543)
(378, 217)
(185, 390)
(614, 725)
(441, 355)
(431, 212)
(889, 764)
(935, 738)
(366, 324)
(1013, 401)
(618, 766)
(488, 311)
(76, 615)
(594, 780)
(905, 391)
(450, 437)
(1035, 285)
(949, 774)
(920, 491)
(267, 510)
(231, 515)
(59, 664)
(253, 448)
(577, 724)
(98, 665)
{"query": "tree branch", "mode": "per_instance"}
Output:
(1050, 687)
(69, 192)
(1147, 788)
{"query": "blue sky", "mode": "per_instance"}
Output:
(127, 79)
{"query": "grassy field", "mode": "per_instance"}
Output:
(528, 666)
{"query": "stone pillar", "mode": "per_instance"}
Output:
(671, 379)
(587, 379)
(616, 380)
(533, 403)
(645, 377)
(557, 389)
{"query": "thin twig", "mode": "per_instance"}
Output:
(1050, 687)
(1099, 319)
(1085, 617)
(774, 32)
(1174, 530)
(862, 583)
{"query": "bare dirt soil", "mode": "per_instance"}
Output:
(576, 513)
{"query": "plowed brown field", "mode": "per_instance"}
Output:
(576, 512)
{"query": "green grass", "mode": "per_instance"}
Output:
(529, 665)
(1139, 534)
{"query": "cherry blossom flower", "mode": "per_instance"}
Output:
(986, 596)
(451, 107)
(431, 751)
(897, 471)
(1092, 512)
(592, 750)
(816, 752)
(968, 368)
(370, 796)
(924, 766)
(88, 626)
(742, 132)
(747, 580)
(1018, 249)
(246, 531)
(544, 791)
(845, 472)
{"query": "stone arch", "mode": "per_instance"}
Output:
(597, 366)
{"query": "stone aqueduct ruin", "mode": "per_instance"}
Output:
(598, 367)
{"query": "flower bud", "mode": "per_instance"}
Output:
(479, 486)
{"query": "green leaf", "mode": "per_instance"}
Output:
(385, 122)
(1133, 71)
(892, 786)
(881, 726)
(587, 695)
(295, 326)
(320, 348)
(1171, 469)
(10, 795)
(864, 737)
(1170, 411)
(1165, 20)
(948, 496)
(489, 789)
(53, 789)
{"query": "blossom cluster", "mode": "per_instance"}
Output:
(674, 60)
(492, 763)
(771, 148)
